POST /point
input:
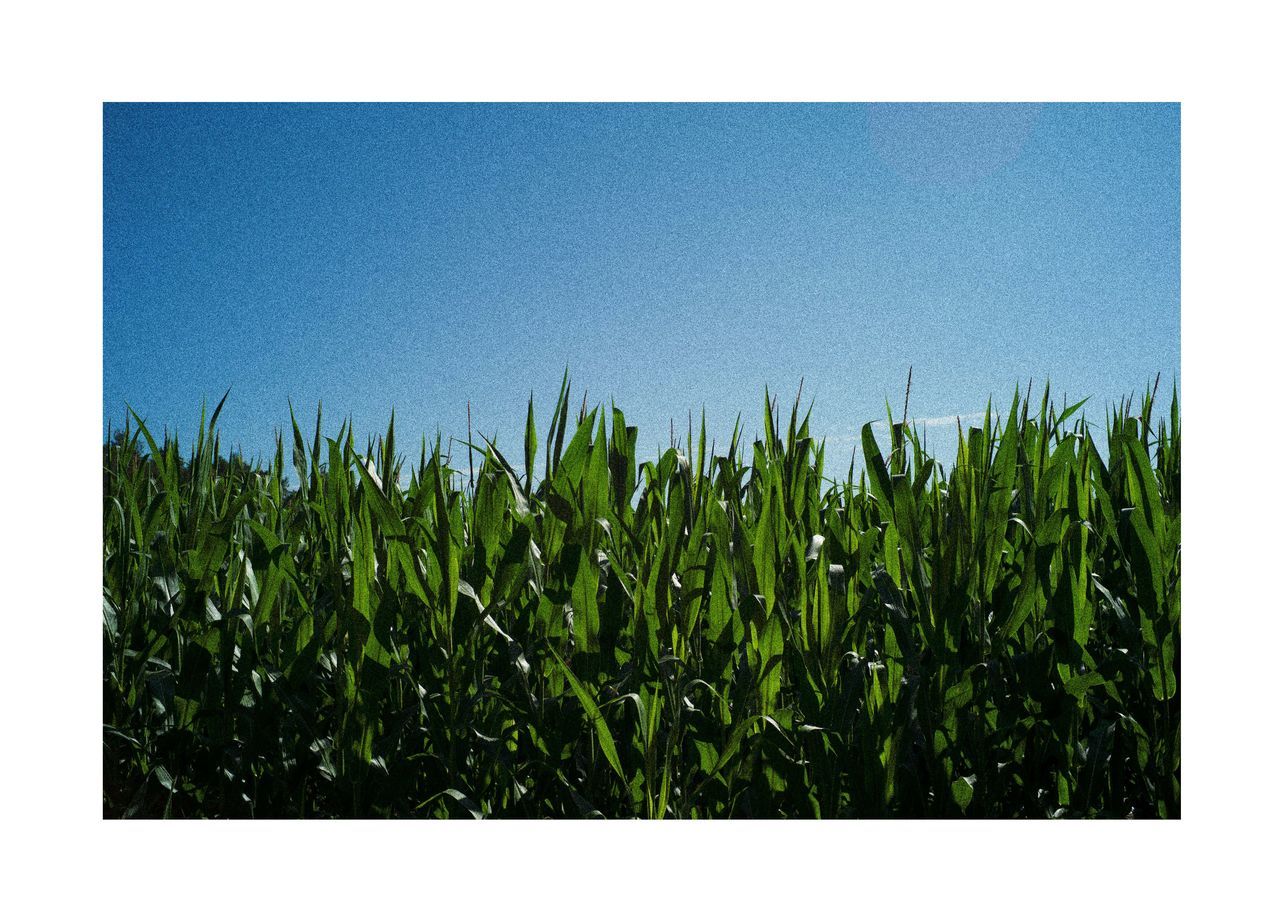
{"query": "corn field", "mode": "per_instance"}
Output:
(705, 635)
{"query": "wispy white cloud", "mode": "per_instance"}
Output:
(845, 437)
(949, 420)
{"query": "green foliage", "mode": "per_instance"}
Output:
(725, 638)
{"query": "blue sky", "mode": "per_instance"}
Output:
(674, 257)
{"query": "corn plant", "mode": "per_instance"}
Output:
(702, 635)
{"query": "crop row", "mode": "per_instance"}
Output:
(703, 635)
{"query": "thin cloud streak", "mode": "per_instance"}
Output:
(933, 421)
(836, 439)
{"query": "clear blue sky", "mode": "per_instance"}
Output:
(672, 256)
